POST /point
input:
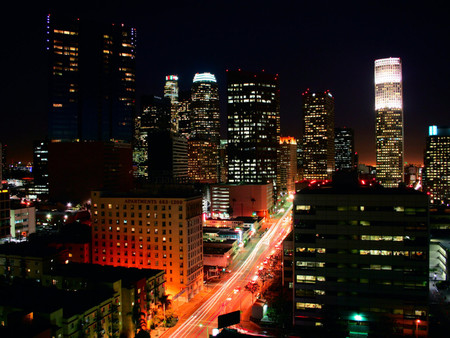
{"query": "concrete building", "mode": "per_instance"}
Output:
(152, 229)
(229, 200)
(77, 168)
(361, 259)
(22, 220)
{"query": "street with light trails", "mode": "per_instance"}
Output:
(229, 294)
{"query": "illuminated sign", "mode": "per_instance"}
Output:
(171, 78)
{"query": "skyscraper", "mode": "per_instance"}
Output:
(155, 117)
(205, 129)
(436, 175)
(253, 114)
(40, 168)
(287, 164)
(205, 123)
(344, 147)
(91, 80)
(171, 92)
(389, 121)
(318, 135)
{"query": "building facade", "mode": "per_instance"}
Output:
(204, 135)
(436, 175)
(171, 92)
(389, 121)
(152, 231)
(287, 165)
(154, 118)
(344, 147)
(318, 135)
(234, 200)
(91, 80)
(253, 115)
(361, 259)
(40, 169)
(5, 227)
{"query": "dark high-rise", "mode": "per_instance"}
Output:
(361, 260)
(344, 147)
(91, 80)
(436, 175)
(253, 111)
(318, 135)
(155, 117)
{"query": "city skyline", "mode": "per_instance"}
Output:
(331, 46)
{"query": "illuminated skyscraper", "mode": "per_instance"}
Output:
(253, 127)
(171, 92)
(171, 88)
(436, 175)
(205, 129)
(318, 135)
(205, 121)
(389, 121)
(91, 80)
(287, 165)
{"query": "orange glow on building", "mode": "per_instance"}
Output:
(154, 232)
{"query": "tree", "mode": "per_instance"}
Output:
(252, 287)
(264, 274)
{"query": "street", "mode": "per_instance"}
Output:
(229, 295)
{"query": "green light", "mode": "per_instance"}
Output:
(358, 318)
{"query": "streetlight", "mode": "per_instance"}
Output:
(417, 327)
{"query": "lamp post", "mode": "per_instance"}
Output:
(417, 327)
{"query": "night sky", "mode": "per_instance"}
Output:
(310, 44)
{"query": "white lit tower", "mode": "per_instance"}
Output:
(203, 157)
(389, 121)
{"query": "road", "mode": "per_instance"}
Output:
(229, 294)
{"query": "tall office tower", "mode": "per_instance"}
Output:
(287, 165)
(389, 121)
(91, 80)
(361, 260)
(205, 123)
(154, 117)
(253, 113)
(203, 160)
(344, 147)
(159, 228)
(318, 135)
(184, 113)
(171, 92)
(40, 168)
(205, 129)
(436, 175)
